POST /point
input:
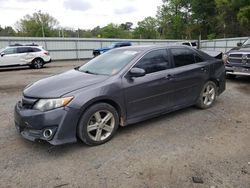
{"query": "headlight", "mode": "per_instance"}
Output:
(225, 58)
(49, 104)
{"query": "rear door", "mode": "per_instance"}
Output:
(150, 93)
(188, 75)
(25, 54)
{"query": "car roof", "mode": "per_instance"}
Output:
(152, 47)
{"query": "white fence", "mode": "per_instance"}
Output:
(73, 48)
(81, 48)
(222, 45)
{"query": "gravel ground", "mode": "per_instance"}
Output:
(212, 145)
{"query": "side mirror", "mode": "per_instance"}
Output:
(2, 54)
(137, 72)
(239, 44)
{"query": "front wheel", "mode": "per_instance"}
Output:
(208, 95)
(98, 124)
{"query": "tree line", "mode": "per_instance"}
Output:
(175, 19)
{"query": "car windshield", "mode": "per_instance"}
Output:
(109, 63)
(247, 42)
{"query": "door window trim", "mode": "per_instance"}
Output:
(132, 66)
(172, 57)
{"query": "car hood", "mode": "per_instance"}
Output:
(61, 84)
(242, 49)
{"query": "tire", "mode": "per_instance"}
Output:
(98, 124)
(37, 63)
(207, 96)
(231, 76)
(96, 54)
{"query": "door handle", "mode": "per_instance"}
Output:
(203, 69)
(169, 77)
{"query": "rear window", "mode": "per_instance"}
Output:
(185, 56)
(36, 50)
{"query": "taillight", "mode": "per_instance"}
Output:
(46, 53)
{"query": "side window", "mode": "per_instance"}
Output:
(184, 56)
(36, 50)
(198, 59)
(123, 45)
(186, 43)
(9, 51)
(154, 61)
(24, 50)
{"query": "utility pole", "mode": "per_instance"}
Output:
(41, 20)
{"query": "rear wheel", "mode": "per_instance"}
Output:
(37, 63)
(98, 124)
(208, 95)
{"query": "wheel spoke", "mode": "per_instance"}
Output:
(206, 100)
(107, 128)
(97, 116)
(92, 127)
(107, 117)
(98, 135)
(211, 91)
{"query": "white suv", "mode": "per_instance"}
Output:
(31, 55)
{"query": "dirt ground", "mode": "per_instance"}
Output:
(166, 152)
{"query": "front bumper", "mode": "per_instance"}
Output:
(62, 122)
(244, 71)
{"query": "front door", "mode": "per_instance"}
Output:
(150, 93)
(9, 57)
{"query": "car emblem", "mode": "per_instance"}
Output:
(244, 58)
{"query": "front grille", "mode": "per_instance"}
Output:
(235, 55)
(243, 59)
(28, 103)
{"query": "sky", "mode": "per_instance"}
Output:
(84, 14)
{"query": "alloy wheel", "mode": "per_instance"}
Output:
(101, 125)
(209, 95)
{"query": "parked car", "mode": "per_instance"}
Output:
(237, 60)
(189, 43)
(120, 87)
(99, 51)
(26, 55)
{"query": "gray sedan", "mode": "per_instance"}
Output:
(120, 87)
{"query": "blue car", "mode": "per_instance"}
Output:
(99, 51)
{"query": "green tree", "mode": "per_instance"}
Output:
(244, 17)
(174, 18)
(7, 31)
(114, 31)
(232, 16)
(147, 29)
(203, 18)
(37, 25)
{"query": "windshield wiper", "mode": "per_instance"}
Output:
(89, 72)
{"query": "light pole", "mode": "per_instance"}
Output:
(41, 20)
